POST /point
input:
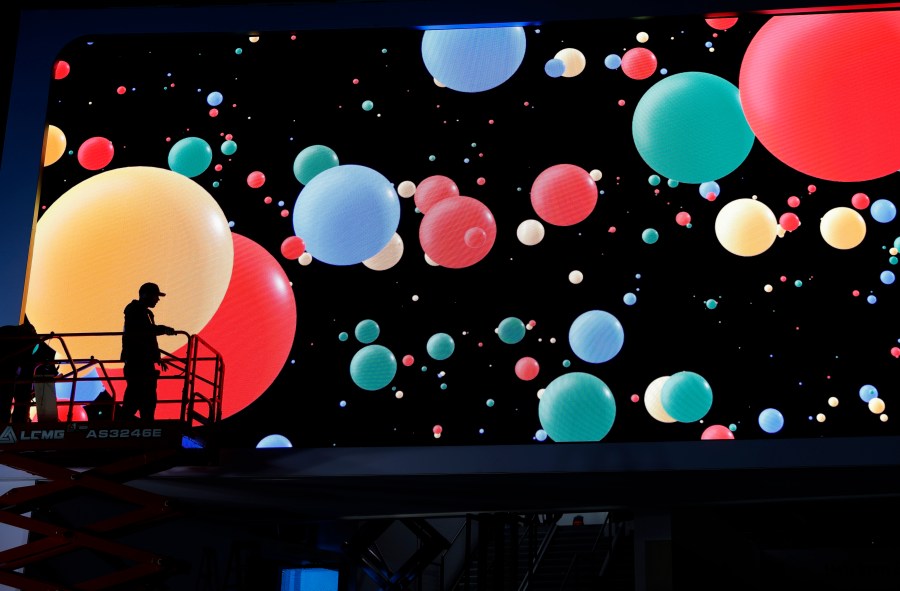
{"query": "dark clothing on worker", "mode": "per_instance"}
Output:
(17, 342)
(140, 352)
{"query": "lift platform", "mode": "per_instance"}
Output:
(96, 454)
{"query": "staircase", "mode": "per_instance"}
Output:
(574, 558)
(586, 558)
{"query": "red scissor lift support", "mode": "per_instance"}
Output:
(74, 458)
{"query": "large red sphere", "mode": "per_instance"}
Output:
(434, 189)
(457, 232)
(820, 93)
(253, 329)
(564, 195)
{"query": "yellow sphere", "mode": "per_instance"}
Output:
(653, 401)
(833, 401)
(406, 189)
(642, 37)
(388, 256)
(431, 261)
(596, 174)
(843, 228)
(305, 259)
(876, 405)
(820, 417)
(576, 277)
(56, 145)
(106, 236)
(767, 288)
(574, 61)
(746, 227)
(884, 418)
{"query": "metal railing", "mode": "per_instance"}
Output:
(200, 372)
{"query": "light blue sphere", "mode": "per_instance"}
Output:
(273, 441)
(612, 61)
(346, 214)
(473, 60)
(771, 421)
(214, 99)
(596, 336)
(868, 392)
(555, 68)
(883, 211)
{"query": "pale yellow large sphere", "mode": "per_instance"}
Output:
(530, 232)
(653, 400)
(389, 256)
(56, 145)
(574, 61)
(746, 227)
(106, 236)
(843, 228)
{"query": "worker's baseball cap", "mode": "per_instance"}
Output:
(150, 289)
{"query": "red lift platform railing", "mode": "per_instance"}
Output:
(72, 458)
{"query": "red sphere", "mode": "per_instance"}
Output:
(793, 201)
(638, 63)
(564, 195)
(434, 189)
(860, 201)
(256, 179)
(61, 69)
(457, 232)
(95, 153)
(789, 221)
(527, 368)
(683, 218)
(819, 93)
(292, 247)
(253, 329)
(722, 24)
(717, 432)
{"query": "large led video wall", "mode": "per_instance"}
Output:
(660, 229)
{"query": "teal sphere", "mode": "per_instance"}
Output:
(373, 367)
(691, 127)
(511, 330)
(686, 396)
(577, 406)
(440, 346)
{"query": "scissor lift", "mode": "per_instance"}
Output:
(72, 459)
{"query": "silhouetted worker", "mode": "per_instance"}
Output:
(16, 345)
(45, 373)
(140, 352)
